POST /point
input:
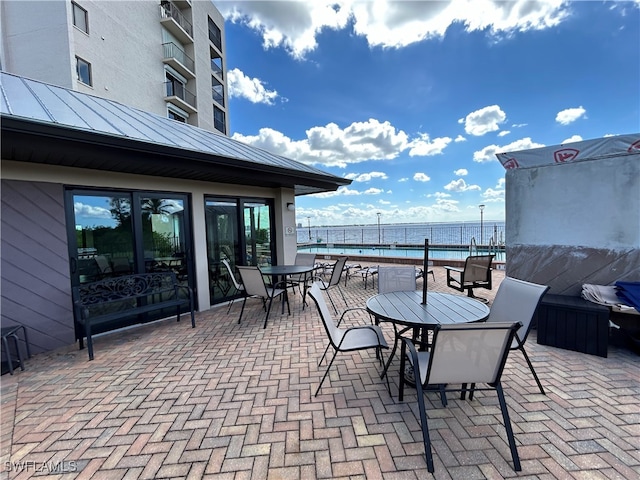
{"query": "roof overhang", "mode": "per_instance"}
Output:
(31, 141)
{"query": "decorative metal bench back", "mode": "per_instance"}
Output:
(126, 287)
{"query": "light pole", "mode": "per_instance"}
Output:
(481, 207)
(309, 225)
(379, 237)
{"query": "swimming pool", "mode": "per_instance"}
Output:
(434, 252)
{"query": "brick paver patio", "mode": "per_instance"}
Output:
(231, 401)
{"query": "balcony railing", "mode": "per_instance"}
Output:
(176, 89)
(217, 95)
(169, 10)
(215, 68)
(171, 50)
(215, 36)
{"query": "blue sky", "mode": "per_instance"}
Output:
(411, 100)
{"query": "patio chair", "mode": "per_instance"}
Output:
(351, 339)
(334, 281)
(254, 286)
(396, 279)
(308, 259)
(239, 288)
(461, 354)
(517, 300)
(420, 271)
(475, 274)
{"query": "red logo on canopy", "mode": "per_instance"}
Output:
(565, 155)
(634, 146)
(511, 163)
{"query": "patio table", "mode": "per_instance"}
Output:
(284, 270)
(406, 310)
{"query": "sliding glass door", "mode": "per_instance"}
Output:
(240, 231)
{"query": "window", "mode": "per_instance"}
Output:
(177, 117)
(83, 70)
(80, 18)
(216, 64)
(218, 120)
(215, 35)
(217, 90)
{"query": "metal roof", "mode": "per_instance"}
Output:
(47, 124)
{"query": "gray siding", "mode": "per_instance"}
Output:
(36, 288)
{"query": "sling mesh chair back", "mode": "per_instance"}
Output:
(239, 287)
(305, 259)
(359, 337)
(254, 286)
(334, 281)
(475, 274)
(396, 279)
(461, 354)
(517, 301)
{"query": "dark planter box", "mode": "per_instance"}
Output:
(573, 323)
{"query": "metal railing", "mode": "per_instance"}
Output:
(169, 10)
(215, 36)
(473, 247)
(217, 95)
(176, 89)
(171, 50)
(215, 68)
(459, 234)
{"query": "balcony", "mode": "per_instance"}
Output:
(215, 68)
(174, 21)
(217, 95)
(182, 4)
(215, 35)
(175, 57)
(177, 94)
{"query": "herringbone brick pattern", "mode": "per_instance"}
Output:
(233, 401)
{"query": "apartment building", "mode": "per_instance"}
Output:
(164, 57)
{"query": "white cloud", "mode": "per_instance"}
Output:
(570, 115)
(485, 120)
(295, 25)
(460, 138)
(461, 172)
(504, 133)
(460, 186)
(365, 177)
(573, 138)
(82, 210)
(331, 145)
(488, 154)
(373, 191)
(425, 147)
(251, 89)
(403, 179)
(493, 195)
(421, 177)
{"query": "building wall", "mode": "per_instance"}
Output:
(574, 223)
(36, 41)
(123, 46)
(35, 263)
(33, 216)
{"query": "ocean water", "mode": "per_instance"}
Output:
(453, 233)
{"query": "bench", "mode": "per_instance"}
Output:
(106, 304)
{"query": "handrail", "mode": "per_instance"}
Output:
(493, 248)
(473, 246)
